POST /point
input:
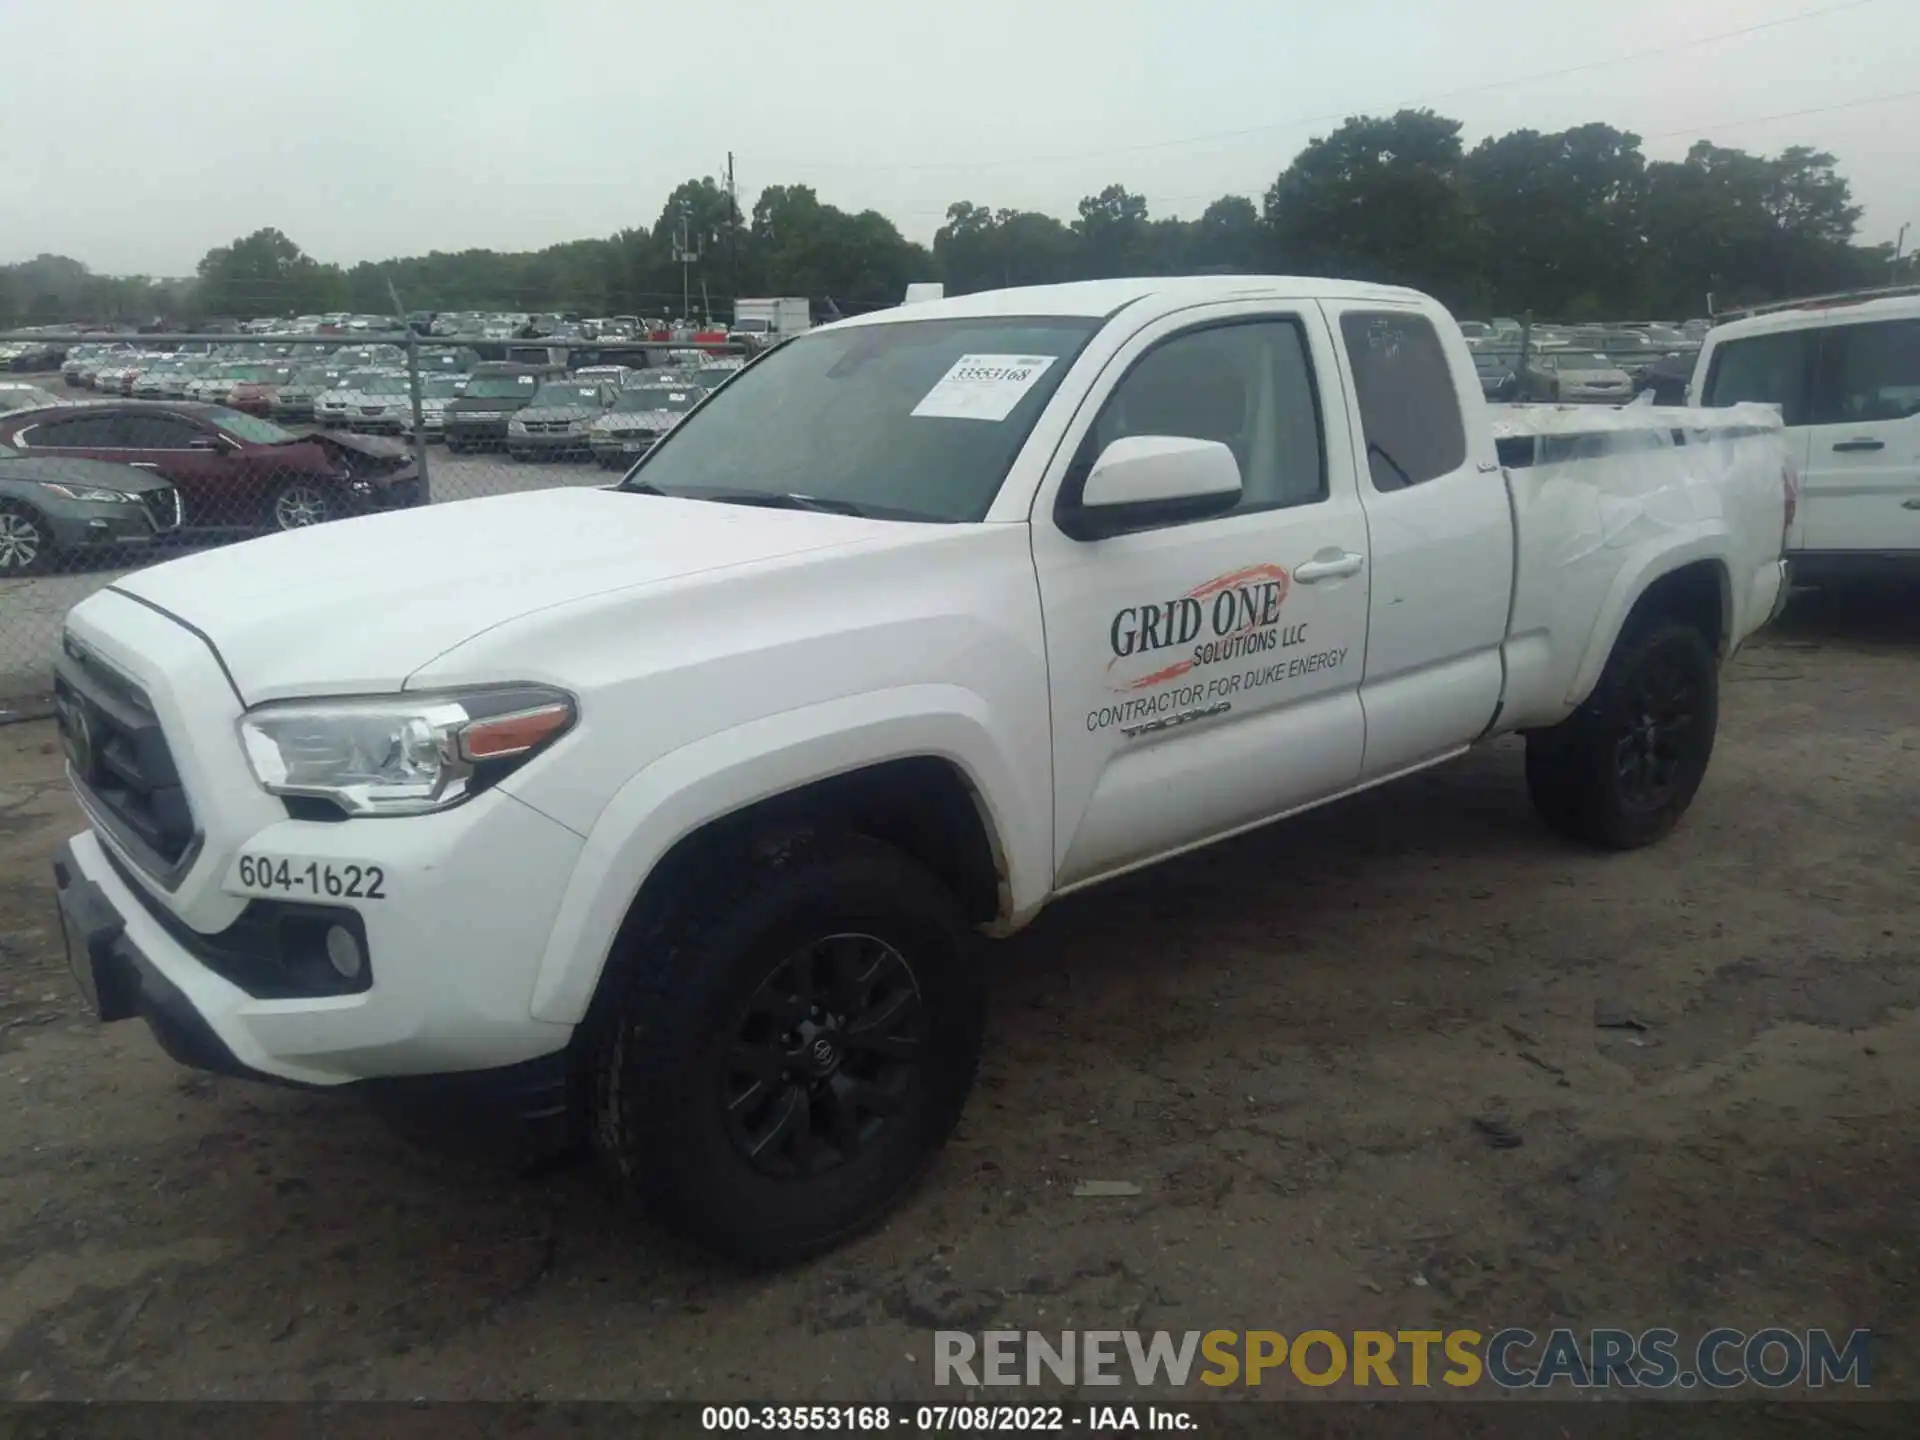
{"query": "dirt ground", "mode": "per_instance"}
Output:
(1284, 1041)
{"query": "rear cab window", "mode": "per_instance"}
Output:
(1409, 408)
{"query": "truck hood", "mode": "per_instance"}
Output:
(356, 606)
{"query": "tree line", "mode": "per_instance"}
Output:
(1570, 225)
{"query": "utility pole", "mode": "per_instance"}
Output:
(733, 230)
(684, 252)
(1899, 244)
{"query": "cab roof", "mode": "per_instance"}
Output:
(1098, 299)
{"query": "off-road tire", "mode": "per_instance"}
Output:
(1582, 775)
(660, 1049)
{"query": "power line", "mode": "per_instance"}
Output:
(1298, 120)
(1784, 115)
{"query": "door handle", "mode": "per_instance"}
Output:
(1336, 567)
(143, 464)
(1846, 445)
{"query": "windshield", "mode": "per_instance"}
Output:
(654, 397)
(501, 387)
(441, 387)
(315, 377)
(248, 428)
(1582, 362)
(1490, 363)
(387, 385)
(753, 327)
(361, 380)
(567, 397)
(912, 419)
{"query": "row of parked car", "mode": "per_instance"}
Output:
(1584, 364)
(99, 481)
(196, 444)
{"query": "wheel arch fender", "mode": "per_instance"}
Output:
(1680, 574)
(682, 792)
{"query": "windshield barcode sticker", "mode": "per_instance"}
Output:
(983, 387)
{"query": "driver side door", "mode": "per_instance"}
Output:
(1205, 672)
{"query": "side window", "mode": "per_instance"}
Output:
(1409, 410)
(158, 432)
(82, 432)
(1767, 369)
(1869, 372)
(1248, 385)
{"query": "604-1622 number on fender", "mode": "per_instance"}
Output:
(313, 878)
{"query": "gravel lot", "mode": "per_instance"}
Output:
(1284, 1041)
(31, 611)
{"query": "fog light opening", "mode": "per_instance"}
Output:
(343, 953)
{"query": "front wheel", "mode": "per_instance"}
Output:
(297, 504)
(780, 1058)
(1623, 768)
(26, 542)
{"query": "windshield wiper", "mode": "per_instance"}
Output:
(776, 500)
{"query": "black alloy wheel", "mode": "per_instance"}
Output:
(826, 1053)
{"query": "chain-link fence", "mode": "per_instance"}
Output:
(118, 452)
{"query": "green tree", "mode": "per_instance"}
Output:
(265, 273)
(1114, 234)
(1561, 215)
(1379, 199)
(1229, 235)
(1746, 227)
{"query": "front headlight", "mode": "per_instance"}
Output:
(401, 754)
(88, 492)
(516, 427)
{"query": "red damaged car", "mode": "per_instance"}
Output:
(254, 391)
(233, 471)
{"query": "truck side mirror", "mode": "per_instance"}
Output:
(1146, 480)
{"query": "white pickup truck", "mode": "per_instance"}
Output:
(677, 841)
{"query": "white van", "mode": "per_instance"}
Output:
(1845, 371)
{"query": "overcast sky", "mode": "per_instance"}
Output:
(136, 136)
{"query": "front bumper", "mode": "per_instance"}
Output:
(401, 492)
(445, 994)
(89, 525)
(614, 446)
(549, 443)
(524, 1110)
(475, 431)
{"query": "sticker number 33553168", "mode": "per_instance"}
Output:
(320, 880)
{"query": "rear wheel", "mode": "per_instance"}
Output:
(26, 541)
(783, 1055)
(1623, 768)
(297, 504)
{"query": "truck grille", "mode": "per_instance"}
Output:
(547, 427)
(163, 507)
(119, 759)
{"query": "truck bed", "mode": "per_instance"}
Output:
(1598, 494)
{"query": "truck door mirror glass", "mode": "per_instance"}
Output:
(1145, 480)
